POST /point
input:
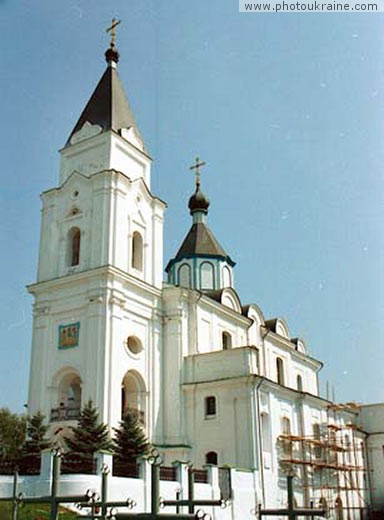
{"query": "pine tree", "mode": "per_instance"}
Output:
(36, 432)
(89, 436)
(130, 441)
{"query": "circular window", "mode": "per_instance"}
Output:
(134, 345)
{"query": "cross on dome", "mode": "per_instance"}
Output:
(197, 172)
(112, 29)
(111, 55)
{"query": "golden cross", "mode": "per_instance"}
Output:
(112, 30)
(197, 168)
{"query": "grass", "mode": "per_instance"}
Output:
(32, 512)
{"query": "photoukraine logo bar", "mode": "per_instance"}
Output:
(311, 6)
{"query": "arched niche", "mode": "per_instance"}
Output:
(133, 394)
(282, 328)
(68, 399)
(227, 277)
(230, 299)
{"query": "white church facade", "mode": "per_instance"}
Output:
(213, 380)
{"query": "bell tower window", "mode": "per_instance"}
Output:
(74, 239)
(137, 251)
(280, 371)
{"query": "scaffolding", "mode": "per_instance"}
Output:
(330, 464)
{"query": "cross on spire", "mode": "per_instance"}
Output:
(197, 172)
(112, 29)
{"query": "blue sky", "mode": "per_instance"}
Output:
(287, 111)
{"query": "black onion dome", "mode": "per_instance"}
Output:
(198, 202)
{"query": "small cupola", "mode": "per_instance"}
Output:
(198, 202)
(201, 262)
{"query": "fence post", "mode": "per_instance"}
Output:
(213, 479)
(182, 478)
(103, 459)
(15, 502)
(145, 472)
(55, 484)
(46, 469)
(104, 490)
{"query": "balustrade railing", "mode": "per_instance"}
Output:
(65, 413)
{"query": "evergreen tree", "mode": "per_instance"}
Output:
(89, 436)
(36, 432)
(130, 441)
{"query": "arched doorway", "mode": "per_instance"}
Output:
(67, 405)
(133, 395)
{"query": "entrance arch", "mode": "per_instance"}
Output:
(67, 402)
(133, 395)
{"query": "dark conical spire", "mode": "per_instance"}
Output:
(108, 106)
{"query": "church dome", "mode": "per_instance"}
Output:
(198, 202)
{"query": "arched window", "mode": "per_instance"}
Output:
(347, 447)
(286, 431)
(133, 395)
(266, 433)
(74, 237)
(280, 371)
(68, 398)
(210, 406)
(226, 340)
(323, 503)
(206, 276)
(227, 278)
(299, 383)
(317, 449)
(333, 446)
(339, 508)
(185, 275)
(211, 458)
(137, 251)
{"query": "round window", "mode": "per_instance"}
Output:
(134, 345)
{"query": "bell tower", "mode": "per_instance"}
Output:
(96, 327)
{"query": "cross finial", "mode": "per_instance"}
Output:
(112, 30)
(197, 172)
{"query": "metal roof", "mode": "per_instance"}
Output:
(200, 241)
(108, 106)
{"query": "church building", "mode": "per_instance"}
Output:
(212, 380)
